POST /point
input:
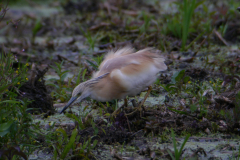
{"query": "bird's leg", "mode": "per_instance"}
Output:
(145, 97)
(140, 105)
(125, 104)
(127, 122)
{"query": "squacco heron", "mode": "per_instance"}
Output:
(122, 73)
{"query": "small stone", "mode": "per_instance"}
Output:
(152, 155)
(204, 119)
(222, 128)
(47, 126)
(207, 131)
(222, 123)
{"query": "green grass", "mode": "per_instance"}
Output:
(177, 152)
(15, 121)
(188, 9)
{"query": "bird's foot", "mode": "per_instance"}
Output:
(137, 109)
(117, 110)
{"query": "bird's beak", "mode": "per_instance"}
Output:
(68, 104)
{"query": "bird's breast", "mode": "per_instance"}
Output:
(107, 89)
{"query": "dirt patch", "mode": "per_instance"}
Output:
(35, 91)
(197, 73)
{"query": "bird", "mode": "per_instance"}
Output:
(122, 73)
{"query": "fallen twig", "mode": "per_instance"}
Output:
(220, 37)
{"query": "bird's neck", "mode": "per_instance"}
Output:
(90, 83)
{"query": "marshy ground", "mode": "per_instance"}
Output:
(65, 41)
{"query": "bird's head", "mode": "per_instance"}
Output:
(83, 90)
(79, 93)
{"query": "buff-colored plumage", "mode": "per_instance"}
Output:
(122, 73)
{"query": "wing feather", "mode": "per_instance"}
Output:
(130, 72)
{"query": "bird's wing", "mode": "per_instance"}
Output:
(132, 70)
(120, 52)
(125, 57)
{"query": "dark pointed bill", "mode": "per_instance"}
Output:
(68, 104)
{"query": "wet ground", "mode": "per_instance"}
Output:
(206, 105)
